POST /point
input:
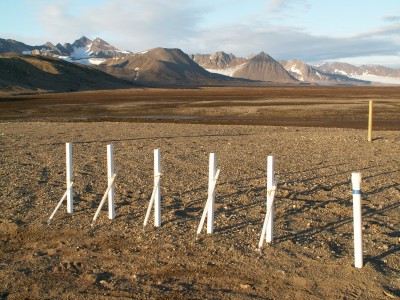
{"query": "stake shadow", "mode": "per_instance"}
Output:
(312, 232)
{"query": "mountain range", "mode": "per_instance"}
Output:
(173, 67)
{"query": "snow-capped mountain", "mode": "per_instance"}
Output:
(83, 50)
(374, 73)
(261, 67)
(304, 72)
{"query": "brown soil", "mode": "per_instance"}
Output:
(311, 256)
(345, 107)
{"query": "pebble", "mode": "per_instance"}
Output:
(245, 286)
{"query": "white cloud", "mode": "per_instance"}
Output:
(143, 24)
(137, 24)
(391, 18)
(274, 6)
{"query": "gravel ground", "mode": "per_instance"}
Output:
(311, 256)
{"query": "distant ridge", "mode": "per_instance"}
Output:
(161, 66)
(23, 73)
(373, 73)
(307, 73)
(154, 67)
(218, 60)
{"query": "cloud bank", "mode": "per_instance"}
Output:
(143, 24)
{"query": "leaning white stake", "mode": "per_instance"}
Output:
(211, 191)
(214, 171)
(156, 194)
(70, 203)
(151, 203)
(270, 198)
(358, 248)
(110, 173)
(267, 217)
(103, 200)
(58, 205)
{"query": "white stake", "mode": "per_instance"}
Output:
(211, 191)
(151, 203)
(157, 185)
(156, 194)
(103, 200)
(208, 211)
(70, 194)
(267, 217)
(358, 249)
(270, 198)
(110, 172)
(58, 205)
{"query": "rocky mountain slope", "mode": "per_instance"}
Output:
(307, 73)
(26, 73)
(160, 66)
(372, 73)
(219, 62)
(261, 67)
(83, 50)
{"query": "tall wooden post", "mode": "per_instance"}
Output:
(371, 102)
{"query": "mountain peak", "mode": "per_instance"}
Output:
(264, 67)
(82, 42)
(262, 56)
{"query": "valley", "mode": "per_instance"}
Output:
(278, 105)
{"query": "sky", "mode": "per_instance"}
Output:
(353, 31)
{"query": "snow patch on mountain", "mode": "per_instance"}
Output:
(228, 71)
(81, 52)
(377, 79)
(294, 69)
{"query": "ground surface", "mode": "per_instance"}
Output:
(311, 256)
(318, 140)
(345, 107)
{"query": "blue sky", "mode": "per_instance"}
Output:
(355, 31)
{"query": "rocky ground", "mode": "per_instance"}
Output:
(311, 256)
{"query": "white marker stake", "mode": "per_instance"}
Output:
(70, 194)
(103, 200)
(110, 172)
(151, 203)
(358, 249)
(211, 192)
(157, 188)
(205, 211)
(265, 224)
(270, 198)
(58, 205)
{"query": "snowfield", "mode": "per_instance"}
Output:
(227, 72)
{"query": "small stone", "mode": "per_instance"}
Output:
(245, 286)
(385, 247)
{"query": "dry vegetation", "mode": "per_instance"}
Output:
(280, 105)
